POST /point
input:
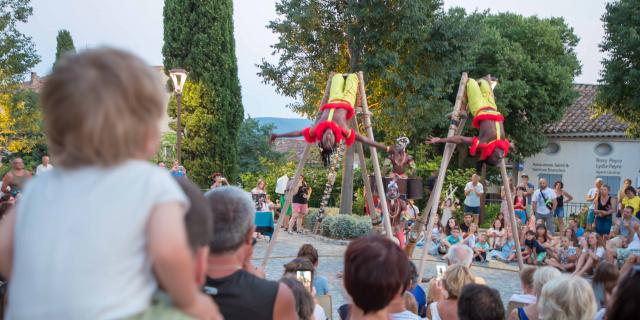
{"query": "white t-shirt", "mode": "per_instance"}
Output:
(600, 252)
(40, 169)
(81, 244)
(539, 199)
(318, 313)
(404, 315)
(591, 194)
(473, 200)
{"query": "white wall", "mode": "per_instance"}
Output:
(579, 164)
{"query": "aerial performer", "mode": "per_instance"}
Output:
(333, 125)
(491, 143)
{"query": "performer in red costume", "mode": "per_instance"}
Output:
(333, 125)
(491, 142)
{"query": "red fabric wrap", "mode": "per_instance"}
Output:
(488, 148)
(339, 104)
(315, 135)
(487, 116)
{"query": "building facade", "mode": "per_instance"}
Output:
(582, 147)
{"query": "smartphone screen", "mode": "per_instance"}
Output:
(304, 276)
(440, 269)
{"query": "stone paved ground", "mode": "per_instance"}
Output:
(499, 276)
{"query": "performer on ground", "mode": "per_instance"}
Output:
(491, 143)
(333, 125)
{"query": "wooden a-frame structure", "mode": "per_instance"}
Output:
(366, 116)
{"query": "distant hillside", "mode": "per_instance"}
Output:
(285, 124)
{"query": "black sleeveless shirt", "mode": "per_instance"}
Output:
(243, 295)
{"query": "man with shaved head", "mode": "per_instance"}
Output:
(544, 204)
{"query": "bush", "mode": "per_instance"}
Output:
(490, 213)
(343, 226)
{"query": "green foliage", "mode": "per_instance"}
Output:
(491, 211)
(412, 54)
(253, 145)
(17, 51)
(618, 93)
(198, 36)
(21, 125)
(167, 150)
(345, 226)
(64, 44)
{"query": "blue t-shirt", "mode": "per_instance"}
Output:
(421, 298)
(322, 285)
(482, 246)
(580, 232)
(453, 240)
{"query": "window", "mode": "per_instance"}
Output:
(603, 149)
(552, 148)
(613, 182)
(551, 178)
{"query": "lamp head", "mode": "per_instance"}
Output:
(178, 77)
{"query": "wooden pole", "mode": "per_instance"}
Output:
(375, 219)
(374, 160)
(514, 224)
(455, 126)
(296, 180)
(346, 192)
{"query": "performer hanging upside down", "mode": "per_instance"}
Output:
(333, 125)
(491, 141)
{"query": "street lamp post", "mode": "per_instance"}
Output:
(179, 77)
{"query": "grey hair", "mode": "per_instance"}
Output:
(542, 276)
(233, 217)
(460, 254)
(566, 298)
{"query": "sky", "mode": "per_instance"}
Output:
(136, 25)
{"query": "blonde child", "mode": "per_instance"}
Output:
(92, 238)
(565, 257)
(481, 248)
(470, 238)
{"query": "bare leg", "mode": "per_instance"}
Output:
(286, 221)
(587, 266)
(292, 221)
(560, 225)
(581, 262)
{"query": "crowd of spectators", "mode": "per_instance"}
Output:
(165, 250)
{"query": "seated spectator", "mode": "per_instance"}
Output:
(564, 257)
(320, 283)
(462, 255)
(437, 234)
(303, 264)
(481, 248)
(604, 280)
(495, 233)
(479, 302)
(567, 298)
(624, 237)
(417, 291)
(375, 271)
(411, 304)
(540, 278)
(592, 253)
(467, 220)
(578, 230)
(398, 309)
(231, 281)
(446, 291)
(452, 239)
(534, 251)
(506, 251)
(571, 235)
(471, 237)
(304, 301)
(628, 288)
(632, 200)
(451, 224)
(104, 215)
(528, 293)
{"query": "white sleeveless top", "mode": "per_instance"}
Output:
(80, 249)
(434, 311)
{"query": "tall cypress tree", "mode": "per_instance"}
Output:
(64, 44)
(198, 36)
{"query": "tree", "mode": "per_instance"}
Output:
(412, 54)
(535, 62)
(198, 36)
(253, 145)
(64, 44)
(21, 131)
(17, 51)
(620, 79)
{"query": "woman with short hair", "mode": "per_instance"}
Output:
(540, 278)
